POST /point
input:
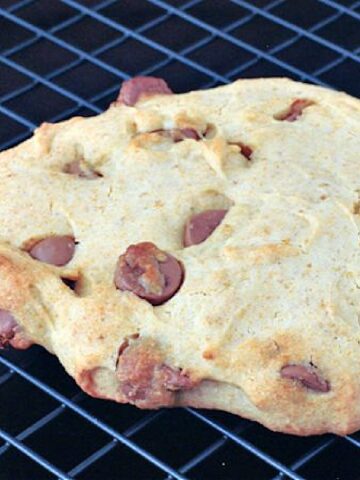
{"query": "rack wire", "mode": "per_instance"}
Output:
(67, 57)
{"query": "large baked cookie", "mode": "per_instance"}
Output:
(198, 249)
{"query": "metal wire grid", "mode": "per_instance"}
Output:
(222, 435)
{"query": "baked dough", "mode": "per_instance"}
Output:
(266, 321)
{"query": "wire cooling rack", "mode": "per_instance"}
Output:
(64, 58)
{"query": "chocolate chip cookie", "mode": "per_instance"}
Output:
(194, 249)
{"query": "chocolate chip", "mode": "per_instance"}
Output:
(307, 376)
(145, 380)
(149, 273)
(199, 227)
(8, 326)
(56, 250)
(11, 333)
(245, 150)
(188, 133)
(176, 379)
(81, 170)
(132, 90)
(294, 111)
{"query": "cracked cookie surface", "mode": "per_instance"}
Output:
(197, 249)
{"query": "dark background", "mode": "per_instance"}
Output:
(65, 58)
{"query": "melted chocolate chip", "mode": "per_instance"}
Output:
(149, 273)
(307, 376)
(56, 250)
(199, 227)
